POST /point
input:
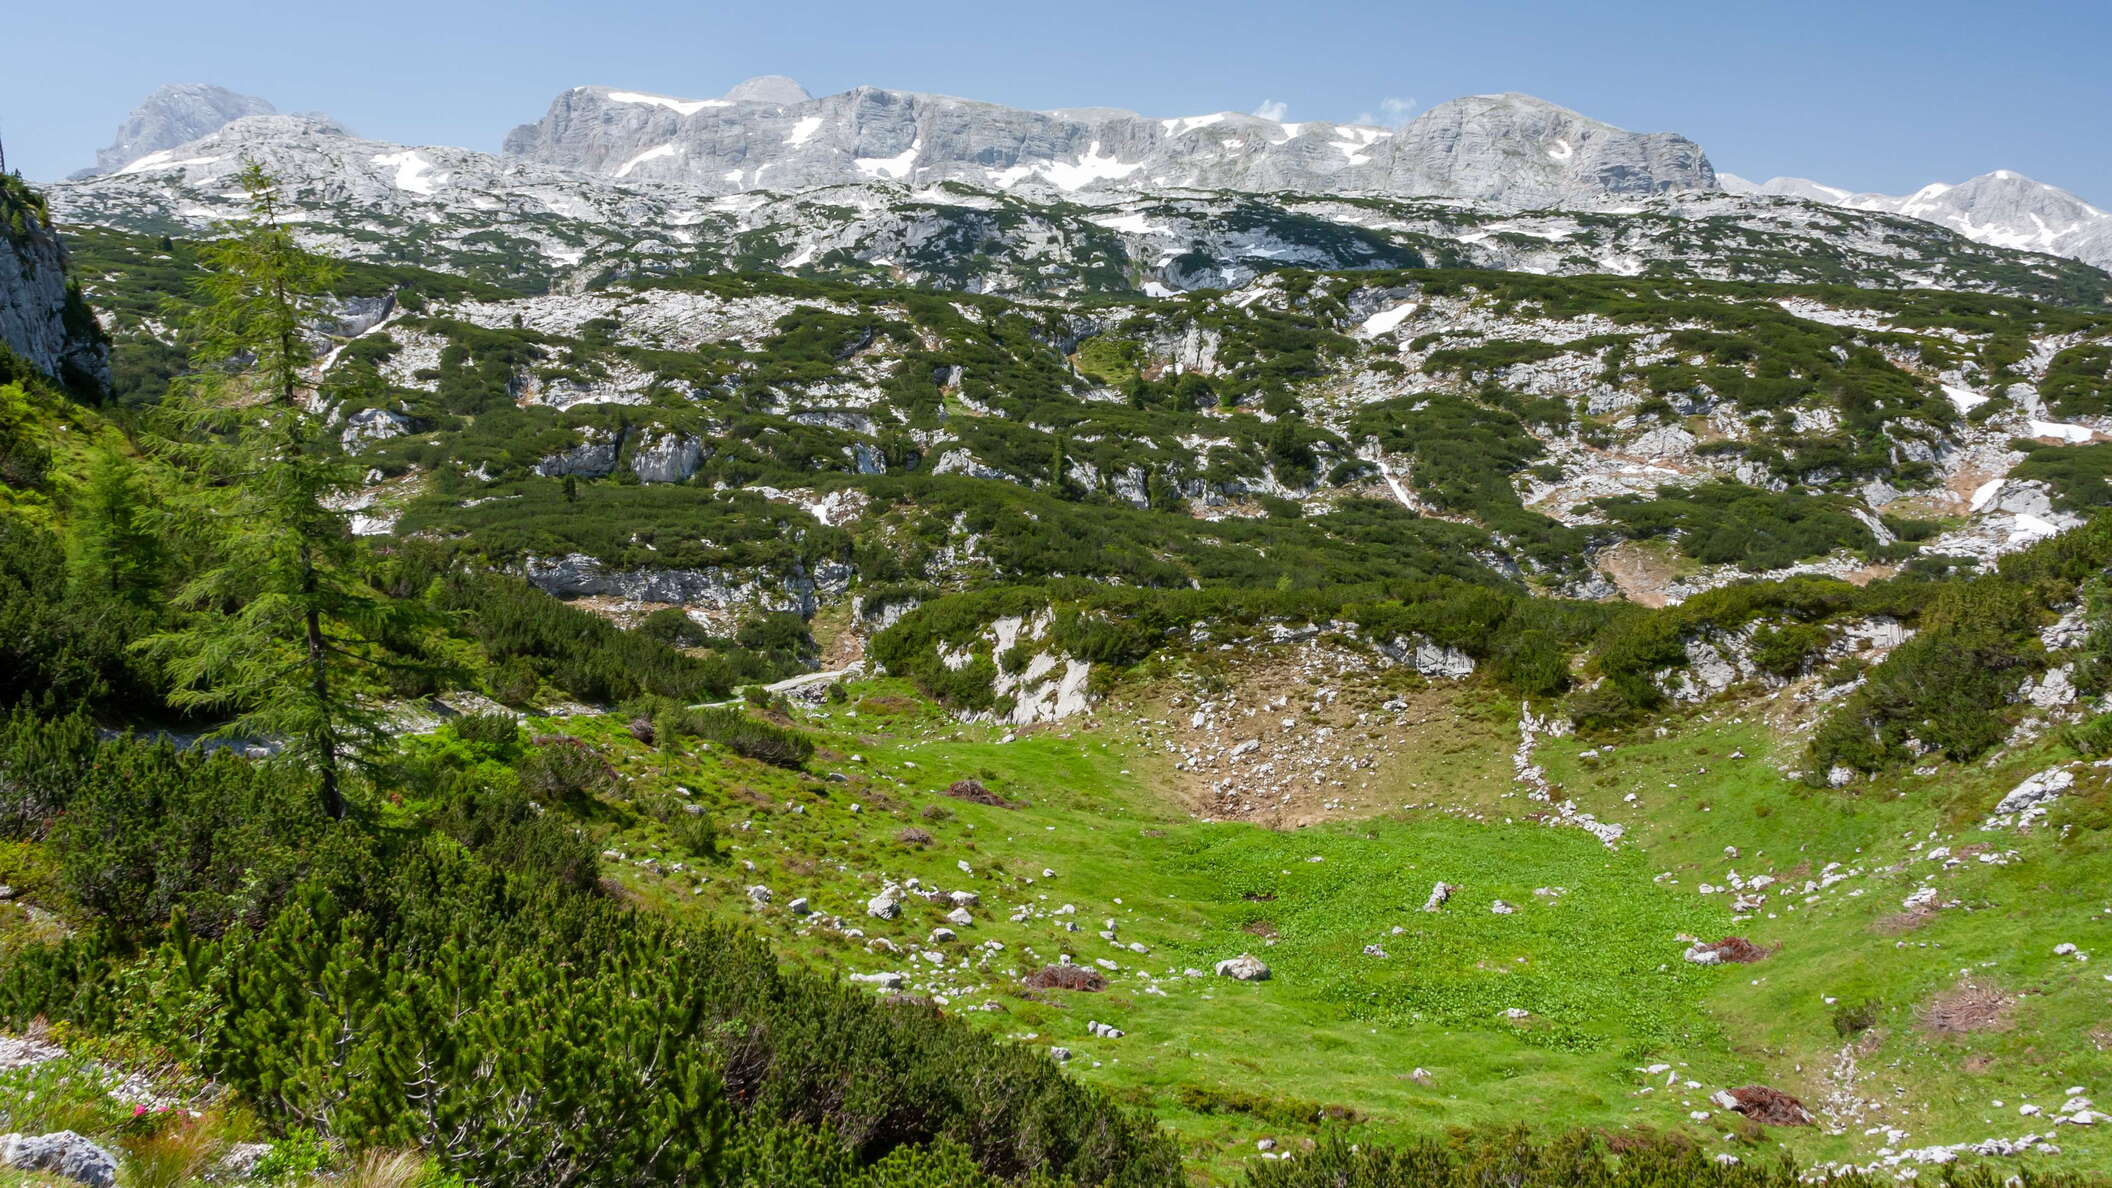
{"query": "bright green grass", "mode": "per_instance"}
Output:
(1597, 966)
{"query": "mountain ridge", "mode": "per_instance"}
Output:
(2002, 208)
(512, 221)
(769, 134)
(1507, 148)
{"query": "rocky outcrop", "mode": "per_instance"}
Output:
(579, 575)
(43, 319)
(370, 425)
(1036, 682)
(174, 115)
(593, 458)
(666, 458)
(1428, 658)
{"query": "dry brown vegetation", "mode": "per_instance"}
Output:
(1966, 1008)
(1066, 977)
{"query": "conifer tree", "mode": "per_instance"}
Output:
(284, 633)
(116, 552)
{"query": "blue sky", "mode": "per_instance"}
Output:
(1869, 94)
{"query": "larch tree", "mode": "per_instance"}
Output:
(116, 551)
(282, 632)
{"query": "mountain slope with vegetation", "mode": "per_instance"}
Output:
(1374, 727)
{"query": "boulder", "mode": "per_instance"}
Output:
(371, 425)
(63, 1154)
(2036, 790)
(1246, 968)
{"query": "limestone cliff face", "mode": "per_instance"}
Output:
(766, 134)
(42, 317)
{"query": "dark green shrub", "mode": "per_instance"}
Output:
(1851, 1020)
(562, 768)
(746, 736)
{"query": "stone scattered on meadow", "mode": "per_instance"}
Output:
(62, 1153)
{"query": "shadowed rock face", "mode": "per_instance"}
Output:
(42, 319)
(766, 134)
(175, 114)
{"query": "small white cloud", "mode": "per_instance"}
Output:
(1393, 111)
(1273, 109)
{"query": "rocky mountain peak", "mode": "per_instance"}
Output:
(1522, 149)
(769, 88)
(173, 115)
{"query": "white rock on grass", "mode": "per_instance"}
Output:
(1103, 1030)
(960, 918)
(1246, 968)
(1439, 893)
(16, 1052)
(62, 1153)
(884, 906)
(2032, 797)
(886, 981)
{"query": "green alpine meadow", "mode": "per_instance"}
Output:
(883, 640)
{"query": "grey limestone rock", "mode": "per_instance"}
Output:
(173, 115)
(62, 1153)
